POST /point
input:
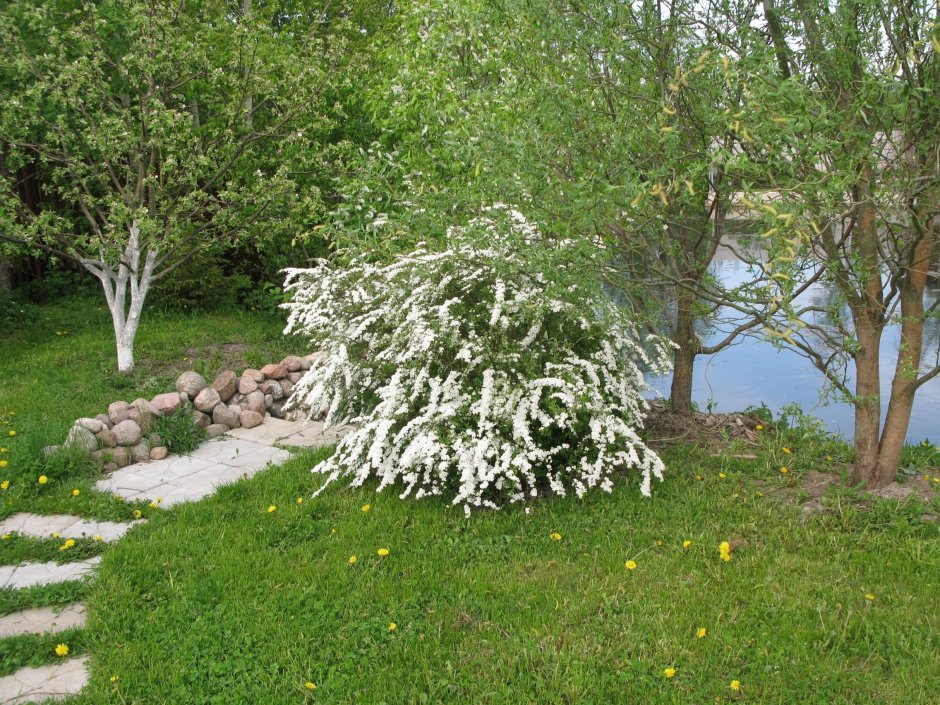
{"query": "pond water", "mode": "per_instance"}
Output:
(752, 371)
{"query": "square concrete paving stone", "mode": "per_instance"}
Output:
(42, 620)
(69, 527)
(53, 682)
(239, 453)
(313, 435)
(271, 432)
(30, 574)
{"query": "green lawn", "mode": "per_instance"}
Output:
(225, 602)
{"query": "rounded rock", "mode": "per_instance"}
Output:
(225, 384)
(106, 438)
(224, 415)
(80, 438)
(201, 419)
(93, 425)
(167, 403)
(206, 400)
(274, 371)
(250, 419)
(159, 453)
(105, 419)
(216, 429)
(292, 363)
(273, 388)
(190, 383)
(140, 452)
(246, 385)
(127, 433)
(256, 375)
(295, 377)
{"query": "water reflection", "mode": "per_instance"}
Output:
(752, 371)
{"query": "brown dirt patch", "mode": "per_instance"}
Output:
(222, 355)
(714, 431)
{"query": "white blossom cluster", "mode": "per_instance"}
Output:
(468, 373)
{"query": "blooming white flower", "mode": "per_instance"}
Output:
(468, 373)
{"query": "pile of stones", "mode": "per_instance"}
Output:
(126, 433)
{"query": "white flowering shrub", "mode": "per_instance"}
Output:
(471, 374)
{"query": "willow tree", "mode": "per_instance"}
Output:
(855, 100)
(159, 125)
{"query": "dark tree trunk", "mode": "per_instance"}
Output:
(684, 357)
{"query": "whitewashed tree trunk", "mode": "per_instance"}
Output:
(129, 275)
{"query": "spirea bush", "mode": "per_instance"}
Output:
(485, 372)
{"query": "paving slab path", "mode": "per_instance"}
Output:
(68, 527)
(42, 620)
(179, 478)
(52, 682)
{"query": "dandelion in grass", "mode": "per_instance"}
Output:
(784, 470)
(3, 463)
(300, 500)
(310, 685)
(686, 543)
(5, 485)
(272, 508)
(366, 507)
(114, 679)
(870, 597)
(724, 550)
(353, 560)
(669, 672)
(55, 534)
(76, 492)
(786, 450)
(96, 538)
(4, 449)
(67, 545)
(392, 626)
(61, 650)
(659, 543)
(5, 537)
(153, 505)
(383, 552)
(630, 565)
(828, 458)
(11, 433)
(735, 685)
(556, 536)
(722, 475)
(42, 480)
(138, 514)
(759, 427)
(701, 633)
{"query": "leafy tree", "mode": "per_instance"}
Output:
(854, 145)
(163, 127)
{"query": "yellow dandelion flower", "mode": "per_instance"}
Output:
(11, 433)
(4, 449)
(366, 507)
(556, 536)
(700, 634)
(724, 550)
(630, 565)
(686, 543)
(114, 679)
(43, 479)
(138, 514)
(722, 475)
(659, 543)
(669, 672)
(383, 552)
(5, 485)
(153, 505)
(784, 470)
(786, 450)
(67, 545)
(55, 534)
(272, 508)
(353, 560)
(828, 458)
(735, 685)
(300, 500)
(3, 463)
(310, 685)
(698, 477)
(98, 538)
(5, 537)
(759, 493)
(759, 427)
(76, 492)
(61, 650)
(392, 626)
(870, 597)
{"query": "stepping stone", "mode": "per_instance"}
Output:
(30, 574)
(53, 682)
(69, 527)
(271, 432)
(239, 453)
(42, 620)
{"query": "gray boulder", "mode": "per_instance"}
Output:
(93, 425)
(227, 416)
(201, 419)
(106, 438)
(225, 384)
(105, 419)
(127, 433)
(159, 453)
(190, 383)
(140, 452)
(206, 400)
(216, 429)
(250, 419)
(246, 385)
(80, 438)
(292, 363)
(167, 403)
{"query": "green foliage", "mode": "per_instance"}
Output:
(178, 432)
(32, 650)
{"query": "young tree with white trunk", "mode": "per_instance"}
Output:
(137, 110)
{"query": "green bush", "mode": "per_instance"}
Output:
(178, 432)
